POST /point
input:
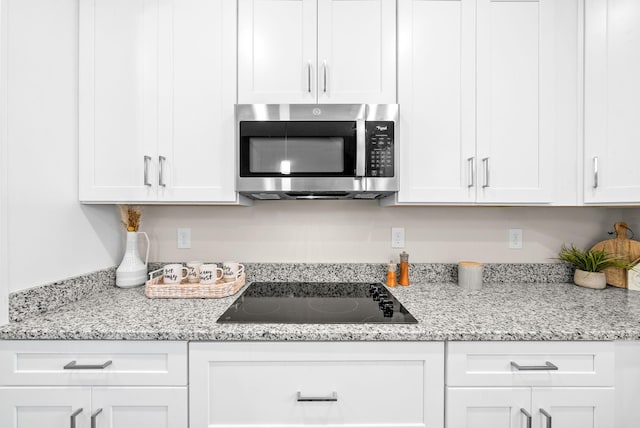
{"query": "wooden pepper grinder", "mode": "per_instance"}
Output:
(404, 269)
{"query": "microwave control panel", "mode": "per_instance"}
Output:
(379, 143)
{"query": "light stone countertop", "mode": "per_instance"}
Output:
(499, 311)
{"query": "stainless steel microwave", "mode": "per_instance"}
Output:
(316, 151)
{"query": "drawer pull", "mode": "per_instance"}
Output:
(525, 413)
(332, 397)
(548, 416)
(94, 423)
(547, 366)
(73, 366)
(74, 415)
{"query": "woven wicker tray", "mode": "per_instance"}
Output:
(155, 288)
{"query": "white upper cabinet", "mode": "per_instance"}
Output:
(116, 88)
(612, 102)
(482, 88)
(325, 51)
(357, 51)
(157, 89)
(436, 93)
(277, 51)
(197, 80)
(515, 101)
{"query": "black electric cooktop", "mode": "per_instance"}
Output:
(317, 303)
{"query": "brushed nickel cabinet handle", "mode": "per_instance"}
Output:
(471, 180)
(324, 74)
(485, 164)
(332, 397)
(595, 172)
(309, 77)
(547, 366)
(94, 423)
(548, 416)
(74, 415)
(147, 159)
(523, 411)
(162, 161)
(73, 366)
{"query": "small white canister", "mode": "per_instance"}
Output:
(470, 275)
(633, 278)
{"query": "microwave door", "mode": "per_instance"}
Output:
(298, 149)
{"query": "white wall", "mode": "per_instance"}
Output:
(50, 235)
(360, 231)
(4, 273)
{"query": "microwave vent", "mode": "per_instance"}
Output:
(266, 196)
(366, 196)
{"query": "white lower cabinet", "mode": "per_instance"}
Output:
(113, 407)
(93, 384)
(39, 407)
(338, 384)
(544, 407)
(530, 384)
(123, 384)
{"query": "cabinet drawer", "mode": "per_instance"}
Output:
(125, 363)
(495, 364)
(328, 385)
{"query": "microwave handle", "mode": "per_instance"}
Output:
(360, 147)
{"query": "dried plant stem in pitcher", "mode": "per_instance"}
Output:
(131, 217)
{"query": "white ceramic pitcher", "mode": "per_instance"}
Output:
(132, 270)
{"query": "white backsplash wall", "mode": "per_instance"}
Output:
(360, 231)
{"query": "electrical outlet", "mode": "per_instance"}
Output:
(515, 238)
(397, 237)
(184, 237)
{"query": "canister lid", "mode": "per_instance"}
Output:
(469, 264)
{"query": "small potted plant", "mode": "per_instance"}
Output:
(589, 265)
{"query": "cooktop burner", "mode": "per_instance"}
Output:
(317, 303)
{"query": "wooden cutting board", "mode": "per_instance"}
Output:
(620, 246)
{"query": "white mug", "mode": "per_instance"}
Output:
(174, 273)
(210, 273)
(194, 271)
(232, 270)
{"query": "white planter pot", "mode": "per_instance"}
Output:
(596, 280)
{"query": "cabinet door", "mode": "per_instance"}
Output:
(436, 91)
(357, 51)
(612, 101)
(39, 407)
(197, 80)
(516, 78)
(118, 100)
(487, 407)
(140, 407)
(277, 51)
(573, 407)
